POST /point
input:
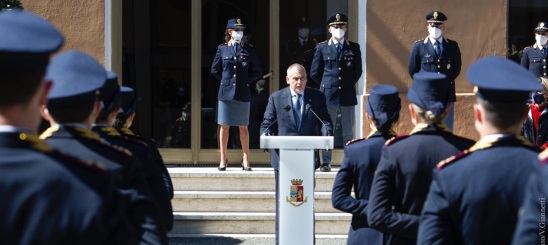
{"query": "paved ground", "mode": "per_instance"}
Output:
(243, 240)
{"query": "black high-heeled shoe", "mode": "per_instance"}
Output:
(244, 168)
(223, 168)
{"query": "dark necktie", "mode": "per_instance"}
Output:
(297, 110)
(339, 48)
(236, 47)
(544, 51)
(304, 43)
(438, 49)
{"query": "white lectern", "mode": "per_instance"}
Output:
(296, 184)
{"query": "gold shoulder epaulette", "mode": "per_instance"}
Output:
(127, 131)
(395, 139)
(353, 141)
(35, 142)
(451, 159)
(110, 131)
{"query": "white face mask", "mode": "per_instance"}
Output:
(338, 33)
(434, 32)
(303, 33)
(237, 35)
(541, 40)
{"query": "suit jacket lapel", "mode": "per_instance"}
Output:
(306, 101)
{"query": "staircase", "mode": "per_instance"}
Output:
(234, 202)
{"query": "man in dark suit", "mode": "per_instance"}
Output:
(404, 172)
(475, 196)
(437, 54)
(361, 157)
(337, 66)
(47, 197)
(293, 110)
(534, 57)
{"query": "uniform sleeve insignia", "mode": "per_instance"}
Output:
(452, 159)
(353, 141)
(395, 139)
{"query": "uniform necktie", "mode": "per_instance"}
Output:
(236, 46)
(297, 110)
(338, 46)
(438, 49)
(544, 51)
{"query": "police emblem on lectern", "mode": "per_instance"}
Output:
(296, 192)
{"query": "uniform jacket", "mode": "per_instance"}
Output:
(360, 161)
(403, 178)
(527, 229)
(424, 58)
(167, 193)
(236, 71)
(286, 125)
(52, 198)
(475, 197)
(124, 168)
(295, 50)
(542, 134)
(153, 174)
(337, 74)
(308, 55)
(534, 61)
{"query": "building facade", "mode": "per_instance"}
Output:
(164, 49)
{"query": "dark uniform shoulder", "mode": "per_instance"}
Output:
(452, 159)
(223, 44)
(354, 141)
(528, 47)
(395, 139)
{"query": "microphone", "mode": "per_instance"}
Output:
(286, 109)
(324, 125)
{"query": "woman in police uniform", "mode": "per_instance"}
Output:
(236, 66)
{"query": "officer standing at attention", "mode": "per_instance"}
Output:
(236, 66)
(404, 172)
(124, 120)
(111, 97)
(296, 47)
(45, 199)
(337, 66)
(437, 54)
(360, 161)
(73, 104)
(475, 196)
(534, 57)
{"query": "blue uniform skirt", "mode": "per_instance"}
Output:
(233, 113)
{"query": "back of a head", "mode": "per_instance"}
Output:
(128, 105)
(110, 96)
(430, 92)
(77, 78)
(502, 89)
(383, 106)
(25, 47)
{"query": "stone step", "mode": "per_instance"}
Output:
(239, 201)
(250, 223)
(234, 179)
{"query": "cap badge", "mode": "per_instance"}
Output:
(541, 24)
(436, 15)
(239, 21)
(338, 17)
